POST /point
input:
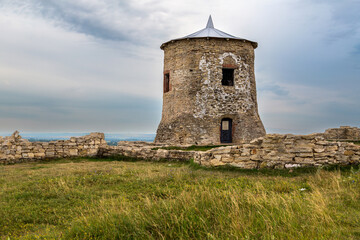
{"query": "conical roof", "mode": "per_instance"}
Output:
(210, 32)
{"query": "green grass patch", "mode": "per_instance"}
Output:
(124, 198)
(190, 148)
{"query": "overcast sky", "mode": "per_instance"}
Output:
(96, 65)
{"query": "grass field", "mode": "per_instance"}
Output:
(93, 199)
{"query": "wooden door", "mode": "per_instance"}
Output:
(226, 130)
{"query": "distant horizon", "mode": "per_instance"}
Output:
(109, 137)
(138, 134)
(69, 132)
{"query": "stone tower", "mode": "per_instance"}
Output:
(209, 92)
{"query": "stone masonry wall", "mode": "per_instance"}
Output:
(14, 149)
(282, 151)
(343, 133)
(197, 100)
(271, 151)
(145, 150)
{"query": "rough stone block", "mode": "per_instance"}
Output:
(244, 165)
(256, 157)
(49, 154)
(215, 162)
(304, 160)
(39, 155)
(349, 153)
(319, 150)
(304, 154)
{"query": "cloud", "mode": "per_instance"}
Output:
(54, 79)
(123, 21)
(356, 51)
(305, 109)
(276, 89)
(70, 63)
(96, 64)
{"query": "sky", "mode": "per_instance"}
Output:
(96, 65)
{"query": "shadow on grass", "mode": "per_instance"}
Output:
(89, 159)
(293, 172)
(106, 159)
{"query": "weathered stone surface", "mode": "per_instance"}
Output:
(343, 133)
(285, 151)
(14, 149)
(73, 152)
(300, 151)
(245, 165)
(349, 153)
(197, 100)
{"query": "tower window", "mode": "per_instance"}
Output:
(227, 77)
(166, 82)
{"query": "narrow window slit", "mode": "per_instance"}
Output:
(166, 82)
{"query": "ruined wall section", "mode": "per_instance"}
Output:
(271, 151)
(15, 149)
(193, 109)
(146, 151)
(282, 151)
(343, 133)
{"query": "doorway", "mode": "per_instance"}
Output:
(226, 130)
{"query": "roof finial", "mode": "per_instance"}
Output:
(210, 23)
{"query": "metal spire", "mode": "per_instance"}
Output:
(210, 23)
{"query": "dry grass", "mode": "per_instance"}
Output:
(87, 199)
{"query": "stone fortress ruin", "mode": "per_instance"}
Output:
(209, 88)
(270, 151)
(209, 98)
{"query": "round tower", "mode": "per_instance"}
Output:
(209, 88)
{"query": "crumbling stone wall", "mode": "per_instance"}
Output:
(343, 133)
(197, 100)
(15, 149)
(282, 151)
(271, 151)
(145, 150)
